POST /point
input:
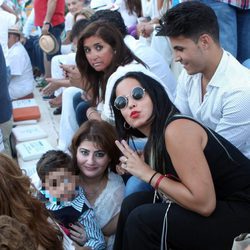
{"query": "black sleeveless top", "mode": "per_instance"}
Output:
(230, 169)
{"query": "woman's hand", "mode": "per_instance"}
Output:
(72, 73)
(78, 234)
(133, 163)
(93, 114)
(51, 87)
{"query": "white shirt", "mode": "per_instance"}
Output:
(155, 62)
(149, 9)
(226, 105)
(69, 21)
(108, 203)
(29, 27)
(21, 83)
(129, 19)
(7, 20)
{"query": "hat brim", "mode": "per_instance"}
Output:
(13, 31)
(49, 51)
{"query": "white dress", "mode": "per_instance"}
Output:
(108, 204)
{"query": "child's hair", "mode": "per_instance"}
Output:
(53, 160)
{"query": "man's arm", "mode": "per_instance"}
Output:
(49, 14)
(10, 10)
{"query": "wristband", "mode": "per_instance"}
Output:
(46, 23)
(154, 174)
(158, 181)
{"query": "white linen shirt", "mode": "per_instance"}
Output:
(226, 105)
(22, 80)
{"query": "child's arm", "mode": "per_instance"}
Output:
(93, 234)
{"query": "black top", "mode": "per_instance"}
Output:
(230, 169)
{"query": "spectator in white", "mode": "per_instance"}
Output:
(214, 88)
(73, 6)
(21, 82)
(7, 20)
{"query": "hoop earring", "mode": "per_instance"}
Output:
(126, 125)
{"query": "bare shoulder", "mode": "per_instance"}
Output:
(185, 130)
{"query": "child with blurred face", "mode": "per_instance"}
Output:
(66, 201)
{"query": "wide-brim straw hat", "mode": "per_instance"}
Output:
(49, 44)
(15, 30)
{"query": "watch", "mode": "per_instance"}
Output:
(45, 22)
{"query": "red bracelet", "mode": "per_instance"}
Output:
(158, 181)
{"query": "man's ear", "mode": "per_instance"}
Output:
(205, 41)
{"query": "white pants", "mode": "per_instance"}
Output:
(68, 123)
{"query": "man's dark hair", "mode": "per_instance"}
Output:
(77, 28)
(113, 17)
(191, 20)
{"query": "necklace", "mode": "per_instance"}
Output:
(95, 190)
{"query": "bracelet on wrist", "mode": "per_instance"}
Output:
(150, 180)
(158, 181)
(46, 23)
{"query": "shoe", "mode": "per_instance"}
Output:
(57, 111)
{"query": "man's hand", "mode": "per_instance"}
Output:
(45, 29)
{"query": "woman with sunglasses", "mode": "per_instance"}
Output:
(201, 180)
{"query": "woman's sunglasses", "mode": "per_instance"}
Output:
(121, 102)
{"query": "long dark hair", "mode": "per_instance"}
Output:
(97, 81)
(134, 6)
(163, 109)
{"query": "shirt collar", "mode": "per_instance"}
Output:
(216, 80)
(77, 203)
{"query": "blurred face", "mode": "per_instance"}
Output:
(138, 108)
(74, 5)
(12, 39)
(189, 54)
(98, 53)
(92, 160)
(61, 184)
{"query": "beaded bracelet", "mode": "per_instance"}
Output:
(154, 174)
(158, 181)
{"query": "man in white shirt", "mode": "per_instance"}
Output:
(214, 87)
(22, 81)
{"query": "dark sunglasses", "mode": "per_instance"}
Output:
(121, 102)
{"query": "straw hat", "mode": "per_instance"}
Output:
(15, 30)
(49, 44)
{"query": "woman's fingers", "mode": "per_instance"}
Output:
(124, 148)
(77, 233)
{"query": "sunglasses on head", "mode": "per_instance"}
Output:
(121, 102)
